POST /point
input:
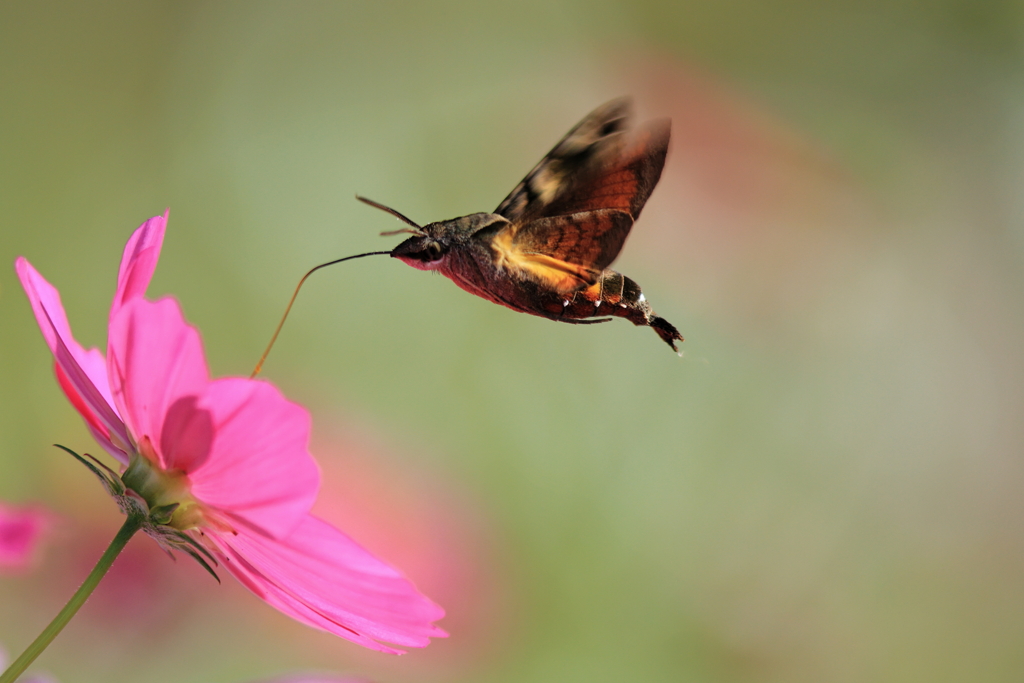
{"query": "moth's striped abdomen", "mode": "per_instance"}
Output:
(615, 294)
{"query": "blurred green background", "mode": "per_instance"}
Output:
(827, 487)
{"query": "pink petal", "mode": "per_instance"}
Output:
(99, 431)
(139, 261)
(154, 360)
(20, 532)
(81, 373)
(323, 578)
(259, 468)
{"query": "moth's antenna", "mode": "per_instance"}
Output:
(417, 229)
(259, 366)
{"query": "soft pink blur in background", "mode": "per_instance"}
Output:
(22, 530)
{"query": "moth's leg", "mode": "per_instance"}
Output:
(578, 307)
(578, 321)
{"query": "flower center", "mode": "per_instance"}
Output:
(162, 488)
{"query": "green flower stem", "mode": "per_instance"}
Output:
(131, 525)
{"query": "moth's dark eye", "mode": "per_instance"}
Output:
(433, 251)
(613, 126)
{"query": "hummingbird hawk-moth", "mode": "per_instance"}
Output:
(546, 249)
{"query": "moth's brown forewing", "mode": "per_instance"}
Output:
(546, 249)
(600, 133)
(599, 164)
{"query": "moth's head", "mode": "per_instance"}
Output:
(422, 252)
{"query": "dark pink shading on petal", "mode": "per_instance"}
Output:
(139, 261)
(186, 437)
(80, 375)
(323, 578)
(97, 429)
(154, 359)
(259, 469)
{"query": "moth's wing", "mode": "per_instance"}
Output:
(564, 253)
(599, 164)
(570, 215)
(619, 178)
(601, 128)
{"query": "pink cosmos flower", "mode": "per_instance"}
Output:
(21, 529)
(225, 461)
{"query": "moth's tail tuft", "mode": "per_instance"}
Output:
(666, 331)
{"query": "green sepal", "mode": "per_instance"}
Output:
(197, 546)
(155, 521)
(170, 539)
(202, 562)
(110, 479)
(132, 504)
(162, 515)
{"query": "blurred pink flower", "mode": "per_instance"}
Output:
(322, 678)
(21, 529)
(432, 527)
(228, 459)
